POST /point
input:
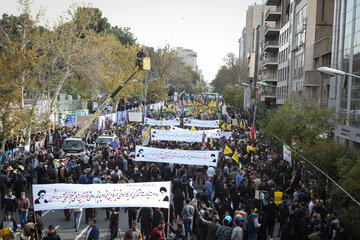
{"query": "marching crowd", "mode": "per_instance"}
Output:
(230, 201)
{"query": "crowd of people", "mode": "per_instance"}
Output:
(229, 201)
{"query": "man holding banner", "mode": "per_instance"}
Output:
(241, 165)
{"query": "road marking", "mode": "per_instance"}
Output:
(46, 212)
(82, 232)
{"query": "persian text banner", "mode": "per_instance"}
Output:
(201, 123)
(67, 196)
(190, 157)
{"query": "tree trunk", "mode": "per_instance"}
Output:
(116, 107)
(58, 89)
(27, 134)
(3, 146)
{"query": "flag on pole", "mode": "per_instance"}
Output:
(161, 113)
(147, 132)
(227, 150)
(115, 144)
(252, 133)
(236, 157)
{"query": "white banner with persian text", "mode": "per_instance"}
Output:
(189, 157)
(135, 116)
(201, 123)
(68, 196)
(172, 122)
(183, 135)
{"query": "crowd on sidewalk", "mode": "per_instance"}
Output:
(230, 201)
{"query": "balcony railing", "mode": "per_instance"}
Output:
(269, 77)
(268, 27)
(276, 11)
(270, 59)
(271, 43)
(272, 2)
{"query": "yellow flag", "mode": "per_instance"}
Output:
(162, 128)
(241, 124)
(227, 150)
(21, 140)
(193, 129)
(229, 127)
(236, 157)
(147, 132)
(223, 126)
(249, 148)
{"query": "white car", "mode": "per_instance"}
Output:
(73, 146)
(105, 139)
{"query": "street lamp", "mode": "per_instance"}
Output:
(333, 72)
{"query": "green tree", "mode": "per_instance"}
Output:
(234, 95)
(348, 210)
(230, 73)
(302, 119)
(123, 35)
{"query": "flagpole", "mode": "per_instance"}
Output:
(168, 229)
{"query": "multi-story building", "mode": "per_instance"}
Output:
(312, 38)
(187, 57)
(270, 52)
(249, 41)
(285, 53)
(345, 91)
(303, 31)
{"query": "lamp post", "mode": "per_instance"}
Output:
(333, 72)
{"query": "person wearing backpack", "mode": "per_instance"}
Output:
(253, 226)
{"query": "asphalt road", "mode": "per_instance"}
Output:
(66, 229)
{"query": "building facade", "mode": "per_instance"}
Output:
(301, 32)
(345, 91)
(188, 57)
(250, 40)
(270, 52)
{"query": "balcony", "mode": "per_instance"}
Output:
(270, 62)
(272, 2)
(273, 14)
(272, 31)
(269, 78)
(268, 92)
(271, 46)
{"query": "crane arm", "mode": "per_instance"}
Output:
(103, 106)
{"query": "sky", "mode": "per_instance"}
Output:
(209, 27)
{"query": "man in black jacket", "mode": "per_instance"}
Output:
(145, 218)
(9, 204)
(158, 216)
(3, 181)
(51, 234)
(179, 232)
